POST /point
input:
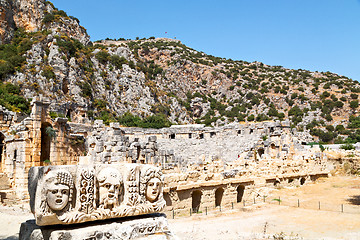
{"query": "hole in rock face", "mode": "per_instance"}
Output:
(218, 196)
(302, 181)
(276, 183)
(45, 142)
(196, 200)
(261, 151)
(240, 193)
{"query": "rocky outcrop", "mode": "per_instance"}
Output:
(29, 15)
(163, 76)
(26, 14)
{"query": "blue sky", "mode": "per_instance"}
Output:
(317, 35)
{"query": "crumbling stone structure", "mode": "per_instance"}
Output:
(223, 163)
(37, 140)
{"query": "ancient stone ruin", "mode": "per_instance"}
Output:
(69, 195)
(201, 166)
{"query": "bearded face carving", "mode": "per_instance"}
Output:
(110, 187)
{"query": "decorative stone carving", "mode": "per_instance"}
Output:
(76, 194)
(153, 226)
(57, 192)
(151, 189)
(110, 182)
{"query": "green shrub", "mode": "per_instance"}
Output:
(129, 120)
(100, 104)
(354, 122)
(339, 104)
(11, 58)
(102, 56)
(262, 117)
(251, 118)
(69, 46)
(155, 121)
(348, 146)
(295, 111)
(324, 95)
(118, 61)
(354, 104)
(339, 128)
(48, 18)
(10, 98)
(48, 73)
(353, 96)
(86, 90)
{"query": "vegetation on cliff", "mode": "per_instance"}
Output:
(157, 82)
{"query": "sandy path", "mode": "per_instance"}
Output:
(10, 221)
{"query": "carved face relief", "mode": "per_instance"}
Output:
(57, 196)
(109, 187)
(153, 187)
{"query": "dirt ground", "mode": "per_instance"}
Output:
(273, 221)
(260, 221)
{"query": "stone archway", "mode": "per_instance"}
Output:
(196, 200)
(45, 142)
(218, 196)
(240, 193)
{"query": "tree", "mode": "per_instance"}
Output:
(251, 118)
(354, 104)
(353, 96)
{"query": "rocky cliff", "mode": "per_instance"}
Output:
(160, 77)
(30, 14)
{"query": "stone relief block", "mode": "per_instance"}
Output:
(81, 193)
(152, 226)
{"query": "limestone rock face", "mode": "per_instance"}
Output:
(29, 15)
(76, 194)
(26, 14)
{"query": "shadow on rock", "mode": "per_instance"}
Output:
(355, 200)
(9, 238)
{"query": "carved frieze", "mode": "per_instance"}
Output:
(76, 194)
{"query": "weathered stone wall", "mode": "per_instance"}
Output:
(194, 144)
(27, 144)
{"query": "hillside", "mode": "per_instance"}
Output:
(157, 82)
